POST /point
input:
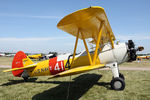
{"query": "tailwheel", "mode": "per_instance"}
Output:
(25, 78)
(117, 83)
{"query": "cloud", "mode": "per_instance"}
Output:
(46, 17)
(9, 39)
(30, 16)
(133, 36)
(36, 44)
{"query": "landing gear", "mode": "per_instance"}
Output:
(121, 76)
(25, 75)
(25, 78)
(117, 83)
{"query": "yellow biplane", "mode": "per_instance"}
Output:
(89, 23)
(36, 56)
(143, 57)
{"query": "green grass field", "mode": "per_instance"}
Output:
(6, 60)
(93, 85)
(143, 63)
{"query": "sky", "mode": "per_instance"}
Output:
(30, 25)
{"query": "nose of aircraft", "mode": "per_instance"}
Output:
(132, 50)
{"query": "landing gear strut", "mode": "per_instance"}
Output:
(121, 76)
(117, 82)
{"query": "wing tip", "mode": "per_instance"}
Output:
(7, 70)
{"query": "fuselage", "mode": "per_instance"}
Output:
(62, 62)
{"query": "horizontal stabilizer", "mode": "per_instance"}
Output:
(14, 69)
(78, 70)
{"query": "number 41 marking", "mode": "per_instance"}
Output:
(57, 67)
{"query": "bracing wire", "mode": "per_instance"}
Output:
(68, 89)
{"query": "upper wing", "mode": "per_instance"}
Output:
(88, 22)
(78, 70)
(14, 69)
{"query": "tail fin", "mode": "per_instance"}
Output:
(20, 60)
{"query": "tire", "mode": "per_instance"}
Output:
(117, 83)
(25, 79)
(121, 76)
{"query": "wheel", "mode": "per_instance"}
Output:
(25, 79)
(117, 83)
(121, 76)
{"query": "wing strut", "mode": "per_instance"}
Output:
(97, 43)
(96, 49)
(110, 37)
(75, 48)
(112, 42)
(86, 49)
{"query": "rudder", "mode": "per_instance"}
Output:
(20, 60)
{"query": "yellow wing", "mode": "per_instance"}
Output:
(88, 22)
(14, 69)
(35, 56)
(78, 70)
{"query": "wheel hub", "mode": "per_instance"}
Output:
(117, 84)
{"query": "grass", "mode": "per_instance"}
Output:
(143, 63)
(93, 85)
(6, 61)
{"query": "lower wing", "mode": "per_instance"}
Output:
(78, 70)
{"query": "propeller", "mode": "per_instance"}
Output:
(132, 50)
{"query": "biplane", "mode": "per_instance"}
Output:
(143, 57)
(89, 23)
(35, 56)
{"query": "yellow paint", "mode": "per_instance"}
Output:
(26, 67)
(112, 42)
(98, 42)
(65, 61)
(99, 46)
(75, 47)
(78, 70)
(41, 69)
(37, 56)
(143, 57)
(88, 20)
(90, 60)
(83, 61)
(27, 61)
